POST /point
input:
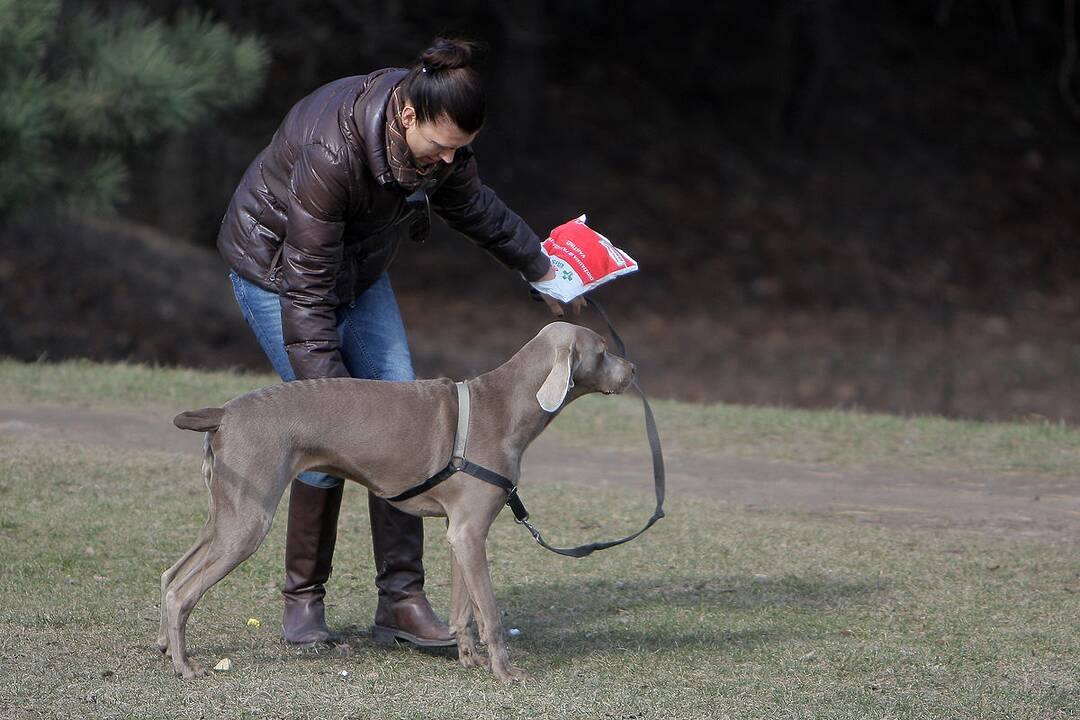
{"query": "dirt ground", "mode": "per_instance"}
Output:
(1039, 508)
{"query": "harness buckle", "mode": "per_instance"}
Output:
(511, 496)
(457, 462)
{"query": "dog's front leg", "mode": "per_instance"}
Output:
(467, 540)
(461, 615)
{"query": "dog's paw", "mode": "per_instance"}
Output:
(471, 657)
(511, 674)
(191, 670)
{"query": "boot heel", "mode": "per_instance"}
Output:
(382, 635)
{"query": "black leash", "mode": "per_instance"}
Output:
(458, 463)
(521, 515)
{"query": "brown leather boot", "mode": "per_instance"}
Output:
(403, 612)
(309, 550)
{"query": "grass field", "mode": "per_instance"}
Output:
(717, 612)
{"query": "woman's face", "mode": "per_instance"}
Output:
(430, 142)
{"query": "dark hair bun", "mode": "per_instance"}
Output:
(444, 82)
(449, 54)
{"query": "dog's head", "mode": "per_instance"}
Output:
(581, 364)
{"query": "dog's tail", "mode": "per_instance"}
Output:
(203, 420)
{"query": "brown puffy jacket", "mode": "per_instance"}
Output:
(318, 217)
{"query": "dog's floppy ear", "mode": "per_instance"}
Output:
(559, 380)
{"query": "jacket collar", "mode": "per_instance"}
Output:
(363, 121)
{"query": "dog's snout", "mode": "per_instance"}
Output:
(624, 375)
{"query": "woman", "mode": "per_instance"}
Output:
(309, 234)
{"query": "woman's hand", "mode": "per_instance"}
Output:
(554, 305)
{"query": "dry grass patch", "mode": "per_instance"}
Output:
(716, 612)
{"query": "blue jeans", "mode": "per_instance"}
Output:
(372, 336)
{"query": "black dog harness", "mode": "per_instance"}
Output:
(458, 463)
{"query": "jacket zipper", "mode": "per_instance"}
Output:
(274, 263)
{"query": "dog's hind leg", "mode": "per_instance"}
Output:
(181, 568)
(240, 518)
(223, 553)
(200, 544)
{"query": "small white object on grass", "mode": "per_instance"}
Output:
(224, 665)
(514, 632)
(343, 673)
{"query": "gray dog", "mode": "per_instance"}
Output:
(389, 437)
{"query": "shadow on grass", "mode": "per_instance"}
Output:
(573, 618)
(599, 596)
(352, 641)
(564, 619)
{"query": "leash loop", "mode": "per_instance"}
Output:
(458, 463)
(521, 516)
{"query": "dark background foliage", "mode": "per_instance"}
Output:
(889, 149)
(833, 202)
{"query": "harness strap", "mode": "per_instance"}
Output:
(457, 460)
(461, 436)
(426, 485)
